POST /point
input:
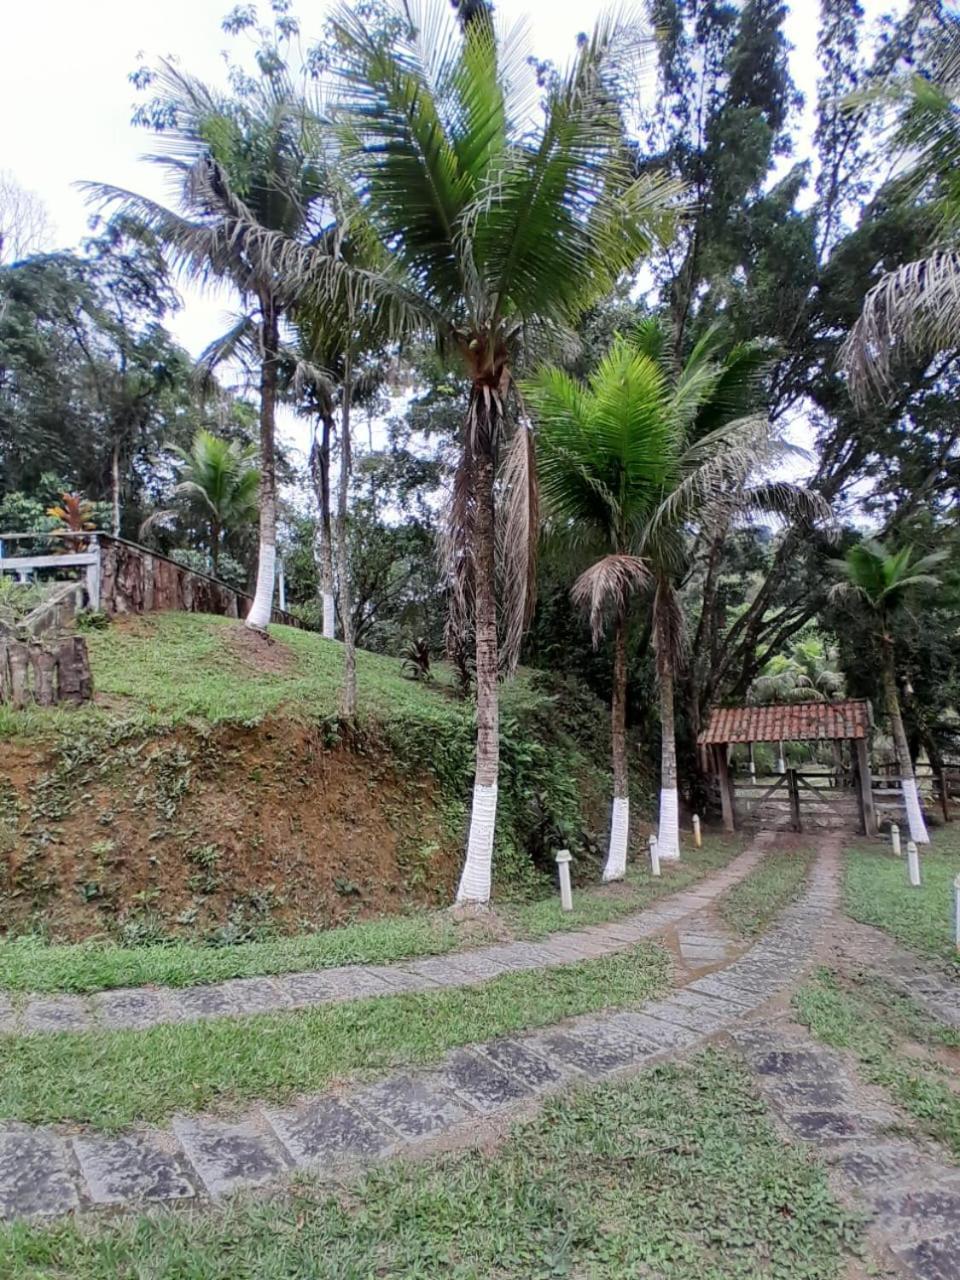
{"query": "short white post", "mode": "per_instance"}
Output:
(563, 868)
(781, 763)
(697, 838)
(654, 856)
(895, 838)
(956, 912)
(913, 864)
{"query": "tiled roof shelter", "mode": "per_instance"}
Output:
(789, 722)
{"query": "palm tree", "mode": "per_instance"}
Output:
(881, 580)
(628, 464)
(808, 673)
(914, 311)
(220, 477)
(505, 223)
(253, 207)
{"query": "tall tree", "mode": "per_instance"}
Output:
(881, 581)
(253, 212)
(503, 227)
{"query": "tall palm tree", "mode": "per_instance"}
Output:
(881, 581)
(506, 222)
(252, 200)
(220, 477)
(914, 311)
(627, 464)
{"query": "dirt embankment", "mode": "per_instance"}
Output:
(222, 834)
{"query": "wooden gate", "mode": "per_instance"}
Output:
(797, 801)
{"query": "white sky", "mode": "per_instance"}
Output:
(65, 101)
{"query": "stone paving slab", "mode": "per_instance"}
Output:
(139, 1008)
(228, 1155)
(326, 1131)
(138, 1167)
(36, 1179)
(213, 1155)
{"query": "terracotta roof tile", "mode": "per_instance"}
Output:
(789, 722)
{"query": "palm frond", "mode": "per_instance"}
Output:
(606, 588)
(912, 312)
(520, 525)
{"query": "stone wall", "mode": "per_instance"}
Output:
(43, 673)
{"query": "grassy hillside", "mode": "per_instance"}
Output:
(211, 792)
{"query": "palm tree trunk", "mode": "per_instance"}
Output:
(911, 800)
(616, 866)
(668, 837)
(115, 487)
(320, 470)
(215, 547)
(475, 880)
(348, 695)
(262, 607)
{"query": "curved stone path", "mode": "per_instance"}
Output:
(136, 1008)
(44, 1171)
(907, 1188)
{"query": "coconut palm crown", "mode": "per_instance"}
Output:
(628, 464)
(914, 311)
(507, 218)
(881, 580)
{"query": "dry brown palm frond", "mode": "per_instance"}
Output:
(606, 587)
(455, 546)
(913, 311)
(519, 539)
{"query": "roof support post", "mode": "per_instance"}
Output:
(865, 787)
(726, 788)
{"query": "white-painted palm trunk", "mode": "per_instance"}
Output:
(668, 835)
(616, 864)
(329, 616)
(915, 822)
(476, 877)
(262, 607)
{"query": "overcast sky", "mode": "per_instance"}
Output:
(66, 103)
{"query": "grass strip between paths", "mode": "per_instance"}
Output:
(878, 1025)
(112, 1079)
(678, 1174)
(28, 964)
(876, 892)
(747, 908)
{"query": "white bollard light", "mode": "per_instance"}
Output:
(956, 912)
(895, 838)
(654, 856)
(563, 869)
(697, 838)
(913, 864)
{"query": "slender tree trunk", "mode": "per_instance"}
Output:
(915, 822)
(668, 837)
(475, 880)
(262, 607)
(348, 696)
(115, 487)
(215, 547)
(616, 865)
(320, 472)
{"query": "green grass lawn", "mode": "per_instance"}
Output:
(877, 892)
(748, 908)
(678, 1175)
(167, 668)
(29, 964)
(111, 1079)
(894, 1043)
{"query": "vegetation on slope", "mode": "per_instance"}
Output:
(212, 793)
